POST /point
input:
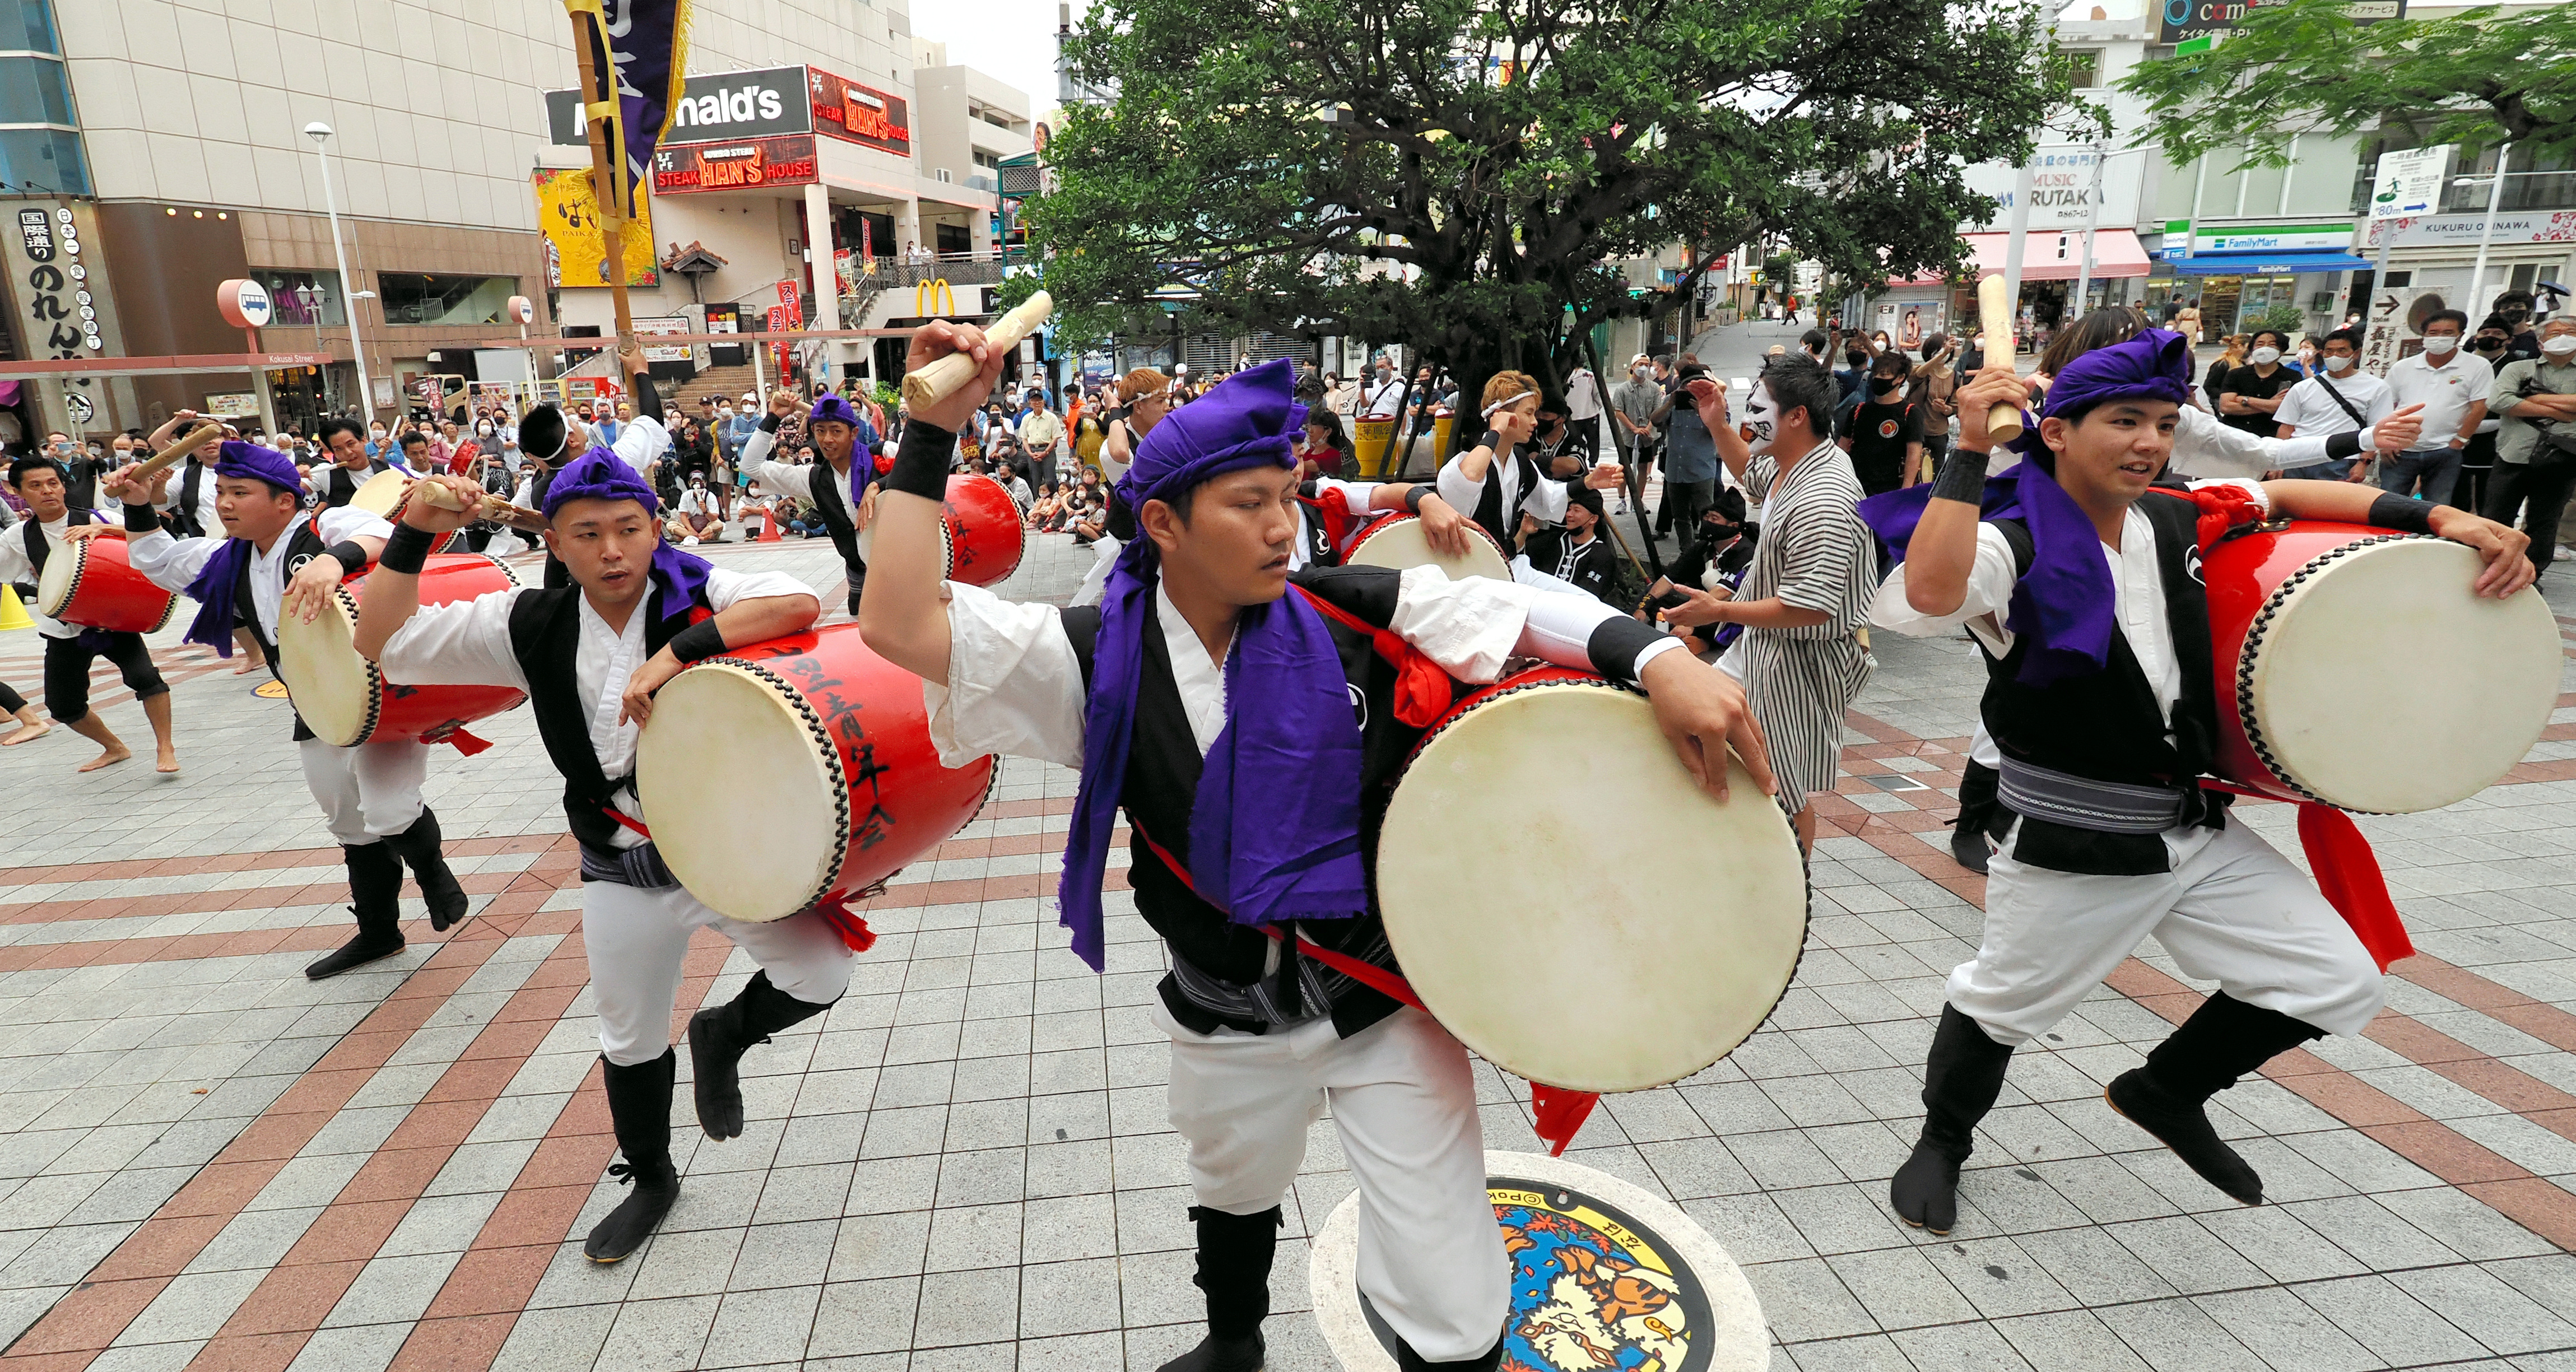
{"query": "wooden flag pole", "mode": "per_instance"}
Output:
(603, 179)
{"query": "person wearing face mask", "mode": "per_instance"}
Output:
(2452, 386)
(2248, 395)
(1384, 396)
(1715, 561)
(2340, 399)
(2536, 445)
(2516, 307)
(1633, 403)
(1885, 432)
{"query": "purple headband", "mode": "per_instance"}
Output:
(2153, 365)
(600, 474)
(833, 409)
(250, 461)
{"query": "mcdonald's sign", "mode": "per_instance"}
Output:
(941, 300)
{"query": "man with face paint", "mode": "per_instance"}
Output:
(2079, 578)
(1804, 600)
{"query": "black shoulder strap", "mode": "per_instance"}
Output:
(546, 641)
(2341, 403)
(36, 547)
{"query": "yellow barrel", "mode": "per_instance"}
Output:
(1375, 457)
(1441, 426)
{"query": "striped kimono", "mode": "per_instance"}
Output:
(1815, 554)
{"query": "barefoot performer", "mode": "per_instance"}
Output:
(51, 527)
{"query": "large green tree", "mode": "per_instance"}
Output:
(1453, 173)
(2476, 77)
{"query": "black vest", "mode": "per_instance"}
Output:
(823, 488)
(1320, 551)
(38, 549)
(1489, 502)
(182, 520)
(341, 485)
(303, 544)
(1161, 787)
(545, 636)
(2107, 726)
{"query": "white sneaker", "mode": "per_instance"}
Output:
(690, 542)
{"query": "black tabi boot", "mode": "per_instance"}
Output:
(1961, 1079)
(1406, 1360)
(718, 1038)
(375, 896)
(1234, 1271)
(2224, 1039)
(1977, 786)
(639, 1108)
(418, 846)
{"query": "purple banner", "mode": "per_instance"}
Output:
(641, 47)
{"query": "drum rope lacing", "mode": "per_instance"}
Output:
(2247, 656)
(79, 554)
(375, 687)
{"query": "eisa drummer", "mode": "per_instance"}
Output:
(843, 499)
(2100, 696)
(590, 656)
(53, 524)
(269, 564)
(1218, 706)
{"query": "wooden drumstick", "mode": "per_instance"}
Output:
(491, 507)
(189, 442)
(1994, 317)
(939, 380)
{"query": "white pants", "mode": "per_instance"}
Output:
(636, 938)
(367, 792)
(1431, 1257)
(2232, 911)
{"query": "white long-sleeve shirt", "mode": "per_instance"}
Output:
(2207, 450)
(16, 566)
(1015, 686)
(468, 644)
(797, 479)
(172, 563)
(207, 519)
(1546, 500)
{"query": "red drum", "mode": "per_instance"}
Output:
(90, 583)
(2317, 630)
(1625, 936)
(384, 495)
(345, 700)
(1398, 541)
(981, 532)
(796, 769)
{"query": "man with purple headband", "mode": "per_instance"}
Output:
(2080, 579)
(269, 564)
(1251, 732)
(844, 500)
(590, 656)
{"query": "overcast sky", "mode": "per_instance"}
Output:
(1010, 39)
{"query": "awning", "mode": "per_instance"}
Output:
(2115, 253)
(2267, 264)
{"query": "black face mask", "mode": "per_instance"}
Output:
(2489, 345)
(1884, 385)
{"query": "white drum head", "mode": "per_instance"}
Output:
(335, 691)
(738, 788)
(62, 572)
(1612, 943)
(1400, 543)
(379, 494)
(2394, 626)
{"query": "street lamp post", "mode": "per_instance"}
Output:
(320, 133)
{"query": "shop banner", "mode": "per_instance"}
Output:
(2185, 20)
(712, 108)
(664, 324)
(787, 160)
(724, 317)
(568, 219)
(2462, 231)
(861, 114)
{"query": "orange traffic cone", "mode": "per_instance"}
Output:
(768, 525)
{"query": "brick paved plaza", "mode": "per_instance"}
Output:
(207, 1161)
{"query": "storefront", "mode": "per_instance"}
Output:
(2245, 277)
(2439, 253)
(2052, 261)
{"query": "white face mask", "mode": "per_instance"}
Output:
(378, 431)
(2441, 345)
(2338, 364)
(2559, 346)
(1760, 428)
(2264, 357)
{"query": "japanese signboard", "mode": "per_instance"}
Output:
(787, 160)
(674, 324)
(2186, 20)
(2409, 183)
(58, 295)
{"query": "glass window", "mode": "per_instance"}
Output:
(303, 299)
(47, 161)
(27, 26)
(2083, 67)
(414, 298)
(33, 91)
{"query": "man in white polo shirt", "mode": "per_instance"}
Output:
(2451, 384)
(2339, 399)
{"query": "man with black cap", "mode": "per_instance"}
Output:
(1250, 731)
(844, 500)
(551, 444)
(590, 656)
(1574, 553)
(271, 561)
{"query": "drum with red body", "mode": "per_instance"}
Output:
(2318, 631)
(785, 772)
(1626, 932)
(1399, 541)
(345, 700)
(92, 584)
(981, 532)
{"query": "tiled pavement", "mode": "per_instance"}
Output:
(209, 1162)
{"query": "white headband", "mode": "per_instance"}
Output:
(1506, 400)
